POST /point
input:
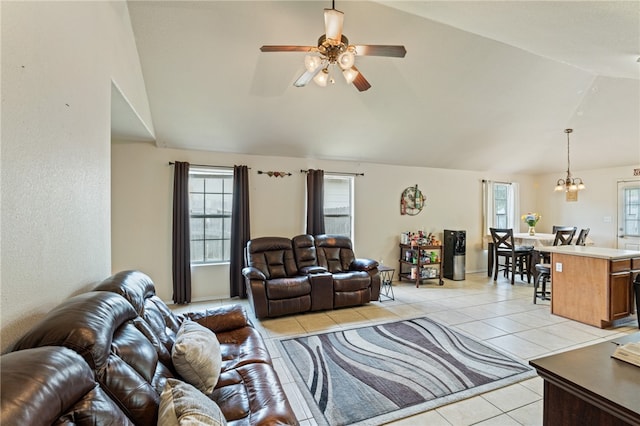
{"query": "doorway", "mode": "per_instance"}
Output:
(628, 235)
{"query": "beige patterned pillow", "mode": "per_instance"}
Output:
(196, 356)
(181, 404)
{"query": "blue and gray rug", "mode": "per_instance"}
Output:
(376, 374)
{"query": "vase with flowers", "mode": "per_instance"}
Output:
(531, 219)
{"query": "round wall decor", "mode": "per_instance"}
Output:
(411, 201)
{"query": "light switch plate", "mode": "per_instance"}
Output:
(558, 267)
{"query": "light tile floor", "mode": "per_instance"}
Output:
(497, 313)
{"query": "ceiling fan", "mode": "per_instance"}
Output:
(334, 49)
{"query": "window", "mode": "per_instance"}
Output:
(500, 202)
(632, 212)
(338, 205)
(500, 205)
(210, 203)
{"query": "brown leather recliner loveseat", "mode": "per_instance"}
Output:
(105, 356)
(286, 276)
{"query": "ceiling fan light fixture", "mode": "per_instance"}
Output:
(322, 78)
(346, 59)
(311, 62)
(349, 75)
(333, 20)
(333, 48)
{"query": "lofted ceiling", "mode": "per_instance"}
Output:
(484, 85)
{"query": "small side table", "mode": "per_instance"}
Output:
(386, 278)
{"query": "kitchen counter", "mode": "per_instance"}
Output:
(593, 285)
(590, 251)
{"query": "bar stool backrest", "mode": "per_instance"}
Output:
(564, 236)
(582, 237)
(502, 238)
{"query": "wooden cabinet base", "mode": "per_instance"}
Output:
(563, 408)
(587, 387)
(592, 290)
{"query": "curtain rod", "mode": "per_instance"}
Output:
(171, 163)
(496, 181)
(335, 173)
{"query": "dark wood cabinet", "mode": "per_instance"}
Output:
(587, 386)
(620, 300)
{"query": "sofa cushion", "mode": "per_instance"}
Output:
(183, 404)
(273, 256)
(241, 395)
(304, 249)
(139, 290)
(287, 288)
(288, 306)
(85, 323)
(103, 328)
(53, 385)
(351, 281)
(196, 356)
(242, 346)
(335, 252)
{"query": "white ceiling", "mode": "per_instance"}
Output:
(484, 85)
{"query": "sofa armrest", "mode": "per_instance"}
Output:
(310, 270)
(363, 265)
(223, 318)
(252, 273)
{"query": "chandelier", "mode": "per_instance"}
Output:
(569, 184)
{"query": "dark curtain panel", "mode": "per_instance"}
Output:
(181, 256)
(240, 230)
(315, 202)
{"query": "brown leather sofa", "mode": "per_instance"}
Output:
(103, 357)
(304, 274)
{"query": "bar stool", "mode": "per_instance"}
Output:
(563, 237)
(582, 237)
(636, 287)
(516, 259)
(543, 271)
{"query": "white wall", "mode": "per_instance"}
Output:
(596, 204)
(142, 194)
(58, 61)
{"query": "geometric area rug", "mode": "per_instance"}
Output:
(376, 374)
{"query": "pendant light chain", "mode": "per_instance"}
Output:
(568, 132)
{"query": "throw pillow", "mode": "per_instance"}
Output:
(196, 356)
(181, 404)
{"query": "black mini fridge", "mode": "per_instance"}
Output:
(455, 247)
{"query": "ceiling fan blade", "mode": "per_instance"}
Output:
(333, 20)
(305, 78)
(380, 50)
(360, 82)
(285, 48)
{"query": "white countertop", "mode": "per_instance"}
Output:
(590, 251)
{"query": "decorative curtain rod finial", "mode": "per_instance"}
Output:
(274, 174)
